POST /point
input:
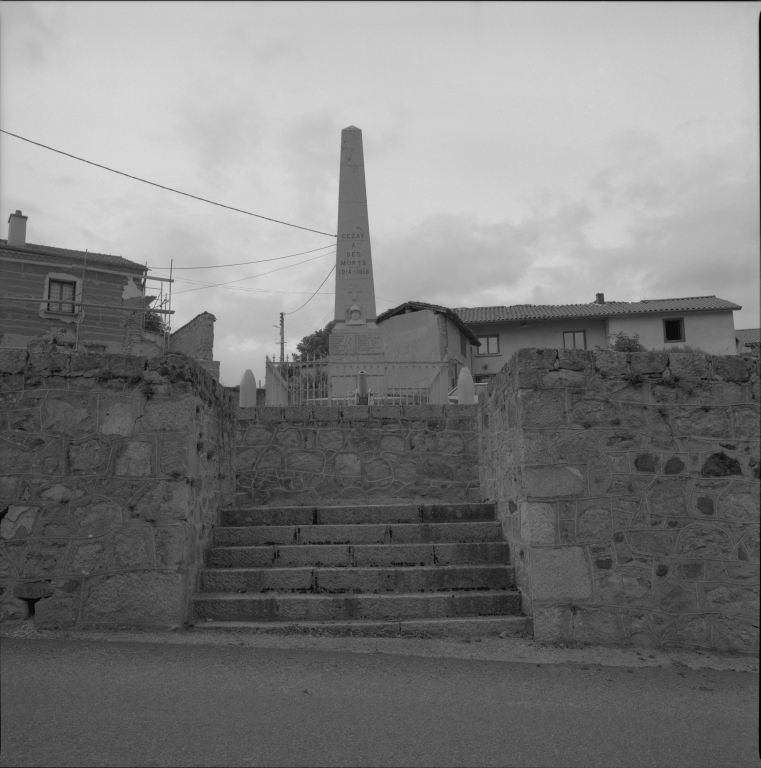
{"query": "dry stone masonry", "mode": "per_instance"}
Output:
(112, 469)
(628, 488)
(373, 454)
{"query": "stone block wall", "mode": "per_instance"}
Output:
(628, 487)
(112, 469)
(196, 339)
(369, 454)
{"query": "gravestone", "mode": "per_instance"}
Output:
(355, 343)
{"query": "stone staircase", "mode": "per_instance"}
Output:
(404, 569)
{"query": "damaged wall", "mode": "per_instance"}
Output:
(628, 488)
(196, 339)
(112, 469)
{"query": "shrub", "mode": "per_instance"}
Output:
(622, 342)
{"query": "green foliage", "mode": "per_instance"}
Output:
(622, 342)
(690, 348)
(315, 345)
(154, 323)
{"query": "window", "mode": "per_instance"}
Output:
(482, 378)
(575, 339)
(489, 345)
(61, 294)
(673, 330)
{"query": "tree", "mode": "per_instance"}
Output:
(316, 344)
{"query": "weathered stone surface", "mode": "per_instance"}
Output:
(731, 368)
(305, 461)
(538, 523)
(651, 542)
(668, 496)
(688, 366)
(740, 501)
(647, 362)
(117, 417)
(42, 560)
(270, 458)
(69, 414)
(554, 481)
(258, 435)
(746, 421)
(142, 597)
(377, 469)
(560, 573)
(170, 545)
(168, 416)
(348, 464)
(611, 364)
(31, 590)
(18, 521)
(13, 609)
(88, 457)
(709, 422)
(392, 444)
(720, 465)
(174, 455)
(564, 378)
(162, 500)
(61, 494)
(542, 409)
(700, 540)
(729, 598)
(132, 548)
(630, 586)
(134, 459)
(592, 412)
(673, 466)
(12, 360)
(87, 556)
(676, 597)
(577, 446)
(734, 634)
(594, 523)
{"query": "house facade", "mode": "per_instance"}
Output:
(748, 341)
(91, 302)
(705, 321)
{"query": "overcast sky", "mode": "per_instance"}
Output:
(514, 153)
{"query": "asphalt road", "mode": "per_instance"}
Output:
(97, 703)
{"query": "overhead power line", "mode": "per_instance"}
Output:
(258, 261)
(251, 277)
(314, 294)
(161, 186)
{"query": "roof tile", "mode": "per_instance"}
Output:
(104, 259)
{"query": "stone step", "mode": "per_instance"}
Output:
(358, 555)
(467, 626)
(437, 578)
(359, 514)
(311, 607)
(369, 533)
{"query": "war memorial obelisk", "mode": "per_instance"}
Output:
(355, 339)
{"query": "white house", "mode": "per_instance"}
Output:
(700, 321)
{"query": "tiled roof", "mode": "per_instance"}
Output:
(748, 335)
(104, 259)
(416, 306)
(549, 311)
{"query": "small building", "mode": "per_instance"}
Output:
(420, 332)
(92, 302)
(703, 321)
(748, 341)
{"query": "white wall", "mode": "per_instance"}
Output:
(713, 332)
(536, 333)
(414, 336)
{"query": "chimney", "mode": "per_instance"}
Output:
(600, 298)
(17, 229)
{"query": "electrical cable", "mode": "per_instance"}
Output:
(161, 186)
(251, 277)
(244, 263)
(314, 294)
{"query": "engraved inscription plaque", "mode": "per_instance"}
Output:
(369, 344)
(343, 343)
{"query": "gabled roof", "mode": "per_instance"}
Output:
(416, 306)
(748, 335)
(549, 311)
(104, 259)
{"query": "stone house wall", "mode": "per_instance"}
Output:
(369, 454)
(196, 339)
(112, 469)
(628, 487)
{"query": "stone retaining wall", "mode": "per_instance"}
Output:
(343, 455)
(628, 487)
(112, 470)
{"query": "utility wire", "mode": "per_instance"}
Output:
(161, 186)
(244, 263)
(314, 294)
(251, 277)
